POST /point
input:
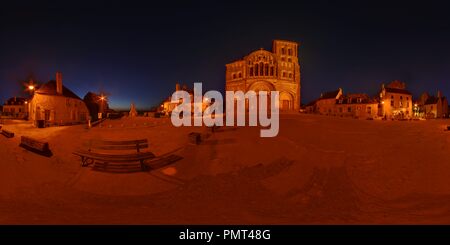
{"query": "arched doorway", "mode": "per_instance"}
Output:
(262, 86)
(286, 101)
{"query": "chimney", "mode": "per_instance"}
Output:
(439, 94)
(177, 87)
(59, 84)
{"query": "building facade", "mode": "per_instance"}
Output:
(326, 104)
(262, 70)
(57, 105)
(357, 106)
(16, 108)
(395, 101)
(167, 106)
(335, 103)
(431, 106)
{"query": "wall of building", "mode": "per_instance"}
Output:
(262, 70)
(326, 106)
(445, 108)
(58, 110)
(396, 105)
(16, 111)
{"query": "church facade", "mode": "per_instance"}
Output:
(262, 70)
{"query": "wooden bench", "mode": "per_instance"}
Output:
(7, 134)
(35, 146)
(111, 156)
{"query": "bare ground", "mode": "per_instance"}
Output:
(319, 170)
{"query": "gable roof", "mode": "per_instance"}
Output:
(431, 100)
(330, 95)
(49, 88)
(356, 99)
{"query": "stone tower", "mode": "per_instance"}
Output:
(262, 70)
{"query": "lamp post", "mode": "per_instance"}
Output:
(31, 87)
(102, 99)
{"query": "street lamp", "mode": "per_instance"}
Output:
(102, 98)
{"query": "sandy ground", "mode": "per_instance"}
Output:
(319, 170)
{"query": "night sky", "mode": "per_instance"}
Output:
(136, 52)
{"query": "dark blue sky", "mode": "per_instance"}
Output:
(136, 52)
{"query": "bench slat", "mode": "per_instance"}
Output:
(111, 161)
(125, 142)
(117, 158)
(119, 147)
(117, 170)
(7, 134)
(38, 145)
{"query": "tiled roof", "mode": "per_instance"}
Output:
(50, 89)
(330, 95)
(431, 100)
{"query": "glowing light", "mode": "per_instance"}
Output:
(31, 87)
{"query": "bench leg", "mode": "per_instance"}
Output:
(85, 161)
(143, 166)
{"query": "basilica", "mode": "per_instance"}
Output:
(263, 70)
